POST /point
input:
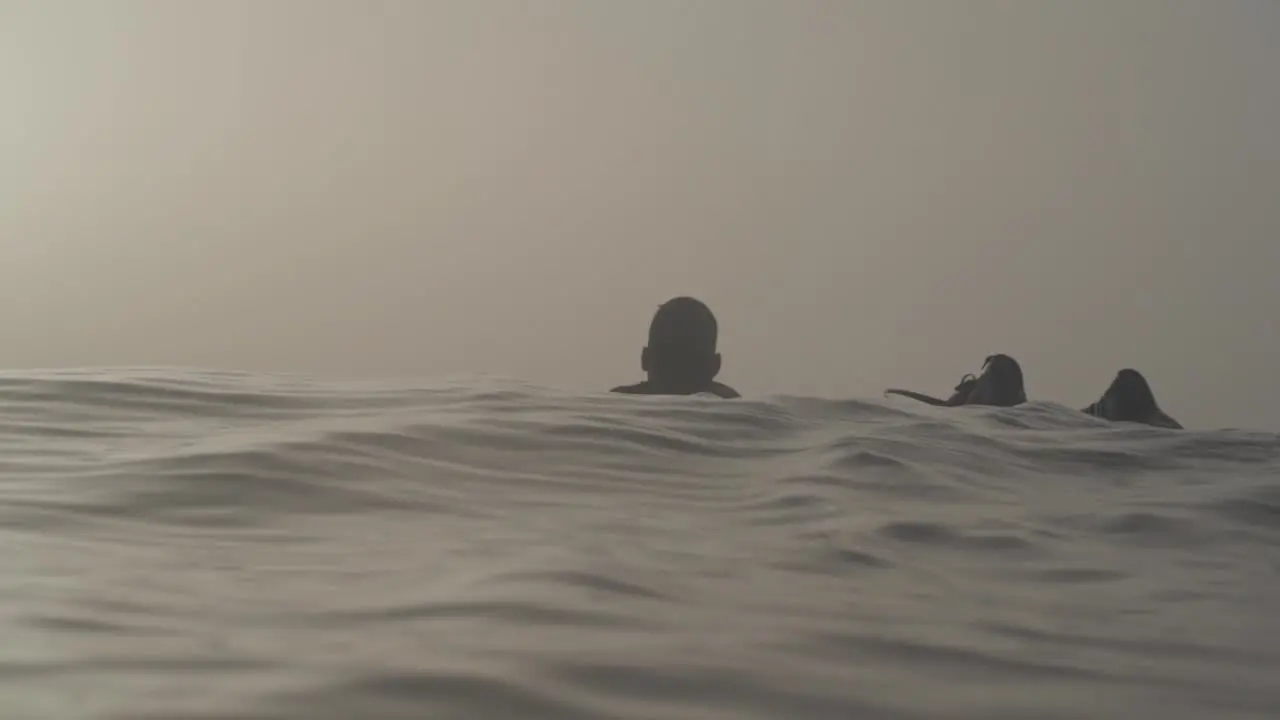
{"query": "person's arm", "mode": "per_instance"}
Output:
(961, 395)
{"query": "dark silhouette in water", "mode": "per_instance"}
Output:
(1000, 385)
(681, 357)
(965, 387)
(1129, 399)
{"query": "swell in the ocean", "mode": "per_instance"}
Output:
(219, 545)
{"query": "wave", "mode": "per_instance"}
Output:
(186, 544)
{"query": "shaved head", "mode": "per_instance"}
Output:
(684, 324)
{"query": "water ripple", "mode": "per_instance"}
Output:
(183, 544)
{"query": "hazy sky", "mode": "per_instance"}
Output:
(868, 194)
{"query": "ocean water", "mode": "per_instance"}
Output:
(180, 544)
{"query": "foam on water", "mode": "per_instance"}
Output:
(220, 545)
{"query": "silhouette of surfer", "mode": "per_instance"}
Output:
(681, 357)
(1000, 385)
(1129, 399)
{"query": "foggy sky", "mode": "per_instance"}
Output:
(868, 194)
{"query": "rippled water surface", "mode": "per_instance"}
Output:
(215, 545)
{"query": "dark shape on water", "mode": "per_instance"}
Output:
(1130, 399)
(681, 357)
(1000, 385)
(962, 392)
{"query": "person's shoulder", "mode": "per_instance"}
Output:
(720, 390)
(724, 391)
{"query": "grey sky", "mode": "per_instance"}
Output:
(868, 194)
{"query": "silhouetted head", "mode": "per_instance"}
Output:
(1000, 383)
(1129, 398)
(681, 355)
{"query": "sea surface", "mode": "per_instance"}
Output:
(179, 544)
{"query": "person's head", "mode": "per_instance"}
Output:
(681, 353)
(1129, 397)
(1000, 383)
